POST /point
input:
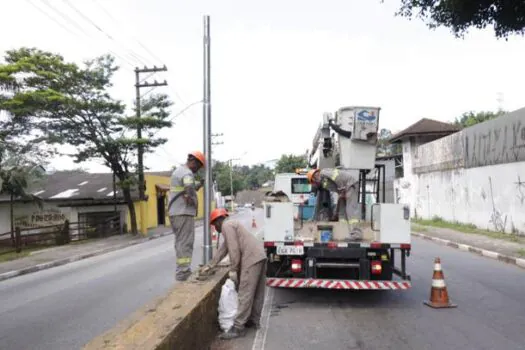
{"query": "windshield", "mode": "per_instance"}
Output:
(300, 185)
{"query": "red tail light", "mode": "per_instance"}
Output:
(376, 267)
(268, 244)
(405, 246)
(375, 245)
(332, 245)
(297, 265)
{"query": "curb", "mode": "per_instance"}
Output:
(65, 261)
(479, 251)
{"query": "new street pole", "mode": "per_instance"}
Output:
(206, 111)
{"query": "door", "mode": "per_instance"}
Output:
(161, 209)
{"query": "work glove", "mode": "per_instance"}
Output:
(206, 270)
(233, 276)
(199, 184)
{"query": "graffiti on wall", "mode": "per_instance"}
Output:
(504, 143)
(520, 188)
(40, 219)
(496, 217)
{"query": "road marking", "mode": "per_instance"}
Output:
(260, 337)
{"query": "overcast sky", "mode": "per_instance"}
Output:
(277, 65)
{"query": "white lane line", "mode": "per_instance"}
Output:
(260, 337)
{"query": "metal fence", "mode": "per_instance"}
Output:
(54, 235)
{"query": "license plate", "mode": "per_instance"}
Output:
(290, 250)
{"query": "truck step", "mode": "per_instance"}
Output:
(335, 265)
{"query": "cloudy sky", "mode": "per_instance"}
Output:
(276, 65)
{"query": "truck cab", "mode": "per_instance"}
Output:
(294, 185)
(298, 190)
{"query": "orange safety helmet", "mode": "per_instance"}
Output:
(198, 155)
(310, 175)
(217, 213)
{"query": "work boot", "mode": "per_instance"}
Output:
(252, 324)
(233, 333)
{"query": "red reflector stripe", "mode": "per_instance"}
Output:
(375, 245)
(405, 246)
(298, 243)
(332, 245)
(269, 244)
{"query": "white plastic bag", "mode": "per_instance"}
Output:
(228, 304)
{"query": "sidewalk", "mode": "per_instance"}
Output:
(61, 255)
(505, 247)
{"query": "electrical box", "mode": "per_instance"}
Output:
(357, 149)
(278, 221)
(391, 223)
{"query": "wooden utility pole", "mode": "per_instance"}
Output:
(138, 86)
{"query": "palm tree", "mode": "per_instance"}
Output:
(14, 181)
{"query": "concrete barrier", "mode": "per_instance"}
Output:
(186, 318)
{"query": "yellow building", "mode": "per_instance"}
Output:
(157, 192)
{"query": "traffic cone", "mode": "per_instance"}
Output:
(254, 225)
(438, 292)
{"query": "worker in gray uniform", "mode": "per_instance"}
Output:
(182, 209)
(342, 183)
(247, 270)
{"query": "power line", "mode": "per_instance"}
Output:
(69, 20)
(131, 52)
(177, 95)
(137, 40)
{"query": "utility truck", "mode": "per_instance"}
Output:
(319, 253)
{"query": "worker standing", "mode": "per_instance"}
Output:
(247, 270)
(182, 209)
(342, 183)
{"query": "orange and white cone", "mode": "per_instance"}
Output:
(438, 293)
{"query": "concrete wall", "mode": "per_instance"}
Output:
(183, 319)
(475, 176)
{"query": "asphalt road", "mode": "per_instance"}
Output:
(490, 314)
(65, 307)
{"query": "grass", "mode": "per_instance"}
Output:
(465, 228)
(14, 255)
(521, 252)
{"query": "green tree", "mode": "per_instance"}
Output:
(221, 174)
(258, 175)
(470, 118)
(289, 162)
(71, 105)
(506, 17)
(384, 147)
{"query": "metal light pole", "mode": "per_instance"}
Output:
(206, 111)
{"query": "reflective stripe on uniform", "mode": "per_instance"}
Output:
(184, 261)
(335, 174)
(177, 188)
(351, 221)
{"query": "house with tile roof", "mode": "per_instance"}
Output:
(424, 131)
(80, 197)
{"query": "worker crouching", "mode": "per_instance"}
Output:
(345, 187)
(247, 270)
